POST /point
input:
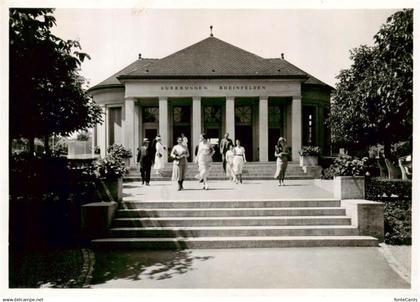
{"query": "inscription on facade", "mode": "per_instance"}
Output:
(220, 87)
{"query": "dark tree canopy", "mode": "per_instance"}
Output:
(46, 93)
(373, 101)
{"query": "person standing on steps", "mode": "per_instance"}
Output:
(179, 154)
(281, 153)
(144, 158)
(204, 159)
(225, 144)
(239, 160)
(229, 164)
(160, 152)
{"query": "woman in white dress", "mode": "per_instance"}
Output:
(180, 154)
(280, 152)
(239, 160)
(229, 163)
(204, 159)
(159, 159)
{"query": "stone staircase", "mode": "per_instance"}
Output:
(153, 225)
(252, 170)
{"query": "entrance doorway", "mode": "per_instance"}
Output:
(212, 116)
(275, 127)
(182, 124)
(244, 130)
(244, 134)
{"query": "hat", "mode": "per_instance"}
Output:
(145, 140)
(157, 138)
(282, 139)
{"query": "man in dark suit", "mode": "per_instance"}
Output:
(225, 143)
(144, 158)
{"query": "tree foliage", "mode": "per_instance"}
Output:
(373, 99)
(46, 89)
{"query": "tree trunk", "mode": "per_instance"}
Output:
(387, 149)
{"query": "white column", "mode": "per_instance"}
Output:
(101, 132)
(129, 127)
(163, 123)
(296, 127)
(230, 117)
(263, 129)
(196, 123)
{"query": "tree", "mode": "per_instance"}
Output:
(46, 89)
(373, 100)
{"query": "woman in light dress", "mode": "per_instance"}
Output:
(179, 154)
(280, 152)
(204, 159)
(229, 163)
(159, 159)
(239, 160)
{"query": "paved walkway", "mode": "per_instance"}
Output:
(250, 189)
(326, 267)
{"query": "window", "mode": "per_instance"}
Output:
(243, 115)
(309, 125)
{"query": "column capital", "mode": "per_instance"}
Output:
(298, 96)
(130, 98)
(163, 98)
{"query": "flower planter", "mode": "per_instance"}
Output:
(113, 188)
(309, 161)
(349, 187)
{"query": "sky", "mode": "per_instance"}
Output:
(316, 40)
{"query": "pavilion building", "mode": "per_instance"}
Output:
(214, 87)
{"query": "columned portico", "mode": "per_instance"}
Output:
(296, 126)
(256, 103)
(196, 124)
(230, 117)
(163, 123)
(263, 129)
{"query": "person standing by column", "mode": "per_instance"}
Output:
(225, 144)
(281, 153)
(159, 159)
(239, 160)
(145, 161)
(204, 159)
(180, 154)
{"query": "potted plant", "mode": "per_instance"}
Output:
(309, 156)
(349, 177)
(119, 151)
(110, 170)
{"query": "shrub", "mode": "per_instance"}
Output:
(382, 189)
(110, 167)
(118, 151)
(397, 222)
(396, 195)
(309, 151)
(345, 165)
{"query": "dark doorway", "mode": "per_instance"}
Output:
(244, 134)
(273, 136)
(182, 124)
(150, 134)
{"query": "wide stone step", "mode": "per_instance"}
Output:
(228, 212)
(277, 203)
(150, 232)
(231, 221)
(233, 242)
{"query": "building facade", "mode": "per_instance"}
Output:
(214, 87)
